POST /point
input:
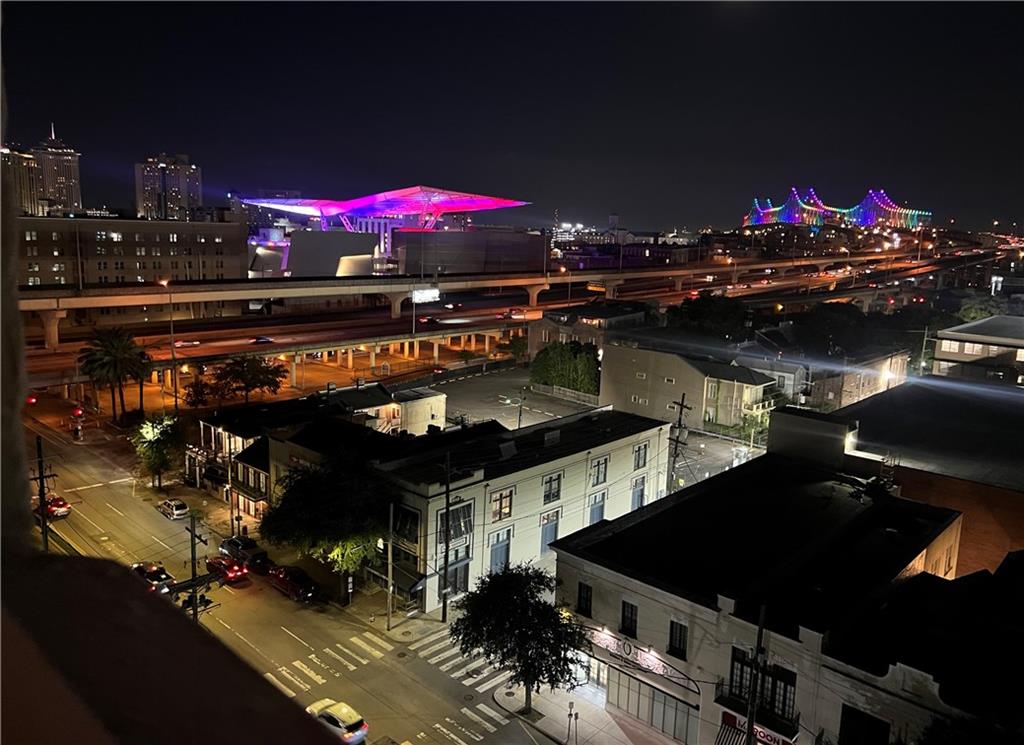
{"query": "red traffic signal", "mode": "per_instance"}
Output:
(78, 412)
(31, 400)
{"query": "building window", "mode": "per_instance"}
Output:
(677, 634)
(116, 237)
(545, 336)
(949, 346)
(101, 235)
(33, 280)
(33, 266)
(640, 456)
(55, 236)
(598, 471)
(32, 250)
(629, 615)
(57, 268)
(499, 543)
(670, 407)
(712, 389)
(218, 239)
(972, 348)
(58, 251)
(200, 238)
(993, 351)
(30, 235)
(670, 381)
(140, 250)
(641, 376)
(548, 530)
(460, 523)
(595, 507)
(776, 687)
(101, 250)
(458, 574)
(584, 599)
(552, 488)
(639, 486)
(172, 237)
(501, 504)
(154, 251)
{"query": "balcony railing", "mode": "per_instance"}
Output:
(736, 697)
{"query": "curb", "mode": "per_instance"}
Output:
(532, 725)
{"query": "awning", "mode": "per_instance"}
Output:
(729, 735)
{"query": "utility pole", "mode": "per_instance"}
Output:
(193, 598)
(43, 512)
(391, 540)
(447, 533)
(677, 441)
(924, 343)
(522, 397)
(755, 681)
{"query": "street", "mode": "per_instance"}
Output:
(415, 690)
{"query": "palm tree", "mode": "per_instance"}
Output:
(110, 358)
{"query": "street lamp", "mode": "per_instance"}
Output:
(166, 283)
(563, 270)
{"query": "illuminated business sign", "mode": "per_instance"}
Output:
(764, 736)
(631, 652)
(426, 296)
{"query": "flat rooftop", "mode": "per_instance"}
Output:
(965, 429)
(600, 310)
(1009, 328)
(804, 540)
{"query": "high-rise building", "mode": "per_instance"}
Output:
(60, 186)
(168, 187)
(24, 170)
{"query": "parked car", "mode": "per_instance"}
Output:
(341, 719)
(228, 569)
(262, 340)
(154, 575)
(239, 547)
(186, 343)
(173, 509)
(56, 507)
(258, 562)
(293, 582)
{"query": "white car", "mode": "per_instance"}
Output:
(341, 719)
(186, 343)
(173, 509)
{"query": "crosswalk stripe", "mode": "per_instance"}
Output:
(494, 681)
(339, 658)
(279, 685)
(352, 654)
(430, 650)
(463, 670)
(309, 672)
(479, 720)
(451, 663)
(366, 647)
(377, 640)
(492, 713)
(449, 653)
(479, 675)
(472, 734)
(450, 735)
(293, 678)
(427, 639)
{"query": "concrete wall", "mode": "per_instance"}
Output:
(420, 413)
(637, 381)
(470, 251)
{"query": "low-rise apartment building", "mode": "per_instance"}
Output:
(585, 324)
(672, 597)
(843, 381)
(991, 349)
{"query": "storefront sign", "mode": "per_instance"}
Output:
(630, 651)
(764, 736)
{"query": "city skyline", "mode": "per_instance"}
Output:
(670, 116)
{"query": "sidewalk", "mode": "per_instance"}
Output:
(595, 726)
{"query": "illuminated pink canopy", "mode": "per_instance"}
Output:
(415, 200)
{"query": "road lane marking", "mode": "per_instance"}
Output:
(114, 509)
(299, 682)
(222, 623)
(160, 542)
(433, 648)
(532, 738)
(428, 639)
(295, 637)
(493, 682)
(479, 720)
(81, 515)
(472, 734)
(492, 713)
(121, 481)
(324, 665)
(340, 659)
(254, 647)
(450, 735)
(81, 488)
(310, 672)
(229, 589)
(279, 685)
(377, 640)
(366, 647)
(449, 653)
(352, 654)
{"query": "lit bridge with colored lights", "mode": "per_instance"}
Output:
(876, 209)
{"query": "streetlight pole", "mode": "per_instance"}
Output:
(569, 297)
(174, 360)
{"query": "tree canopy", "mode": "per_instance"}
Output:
(832, 329)
(509, 618)
(247, 374)
(711, 315)
(572, 365)
(158, 444)
(977, 307)
(335, 512)
(109, 358)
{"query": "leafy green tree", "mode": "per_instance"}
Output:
(711, 315)
(518, 346)
(201, 391)
(509, 618)
(334, 512)
(571, 365)
(109, 359)
(158, 445)
(977, 307)
(832, 329)
(247, 374)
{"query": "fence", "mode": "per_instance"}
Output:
(557, 391)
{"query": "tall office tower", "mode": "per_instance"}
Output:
(24, 182)
(168, 187)
(60, 186)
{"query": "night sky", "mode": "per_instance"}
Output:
(670, 115)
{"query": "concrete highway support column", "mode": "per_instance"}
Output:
(472, 342)
(373, 356)
(678, 283)
(293, 381)
(534, 291)
(437, 350)
(167, 378)
(51, 326)
(610, 288)
(396, 299)
(487, 344)
(416, 349)
(337, 356)
(351, 363)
